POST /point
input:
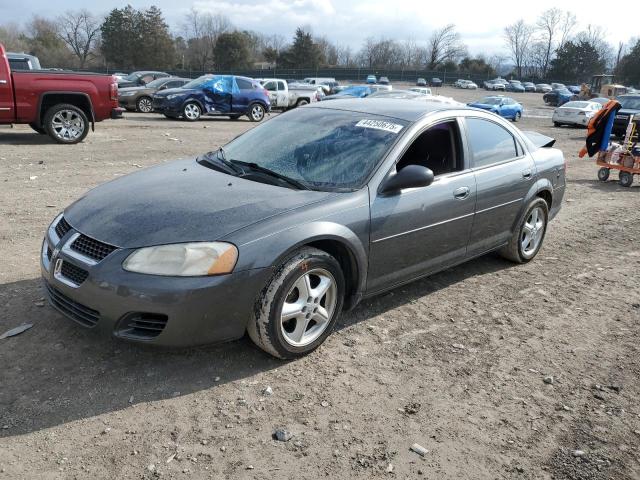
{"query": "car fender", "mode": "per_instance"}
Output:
(273, 250)
(190, 99)
(540, 185)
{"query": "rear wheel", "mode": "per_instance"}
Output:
(517, 116)
(38, 129)
(144, 105)
(66, 123)
(528, 235)
(625, 179)
(603, 174)
(301, 102)
(299, 307)
(256, 112)
(191, 112)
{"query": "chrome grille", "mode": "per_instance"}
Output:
(91, 248)
(76, 311)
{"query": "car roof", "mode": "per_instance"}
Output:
(403, 109)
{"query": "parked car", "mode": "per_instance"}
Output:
(506, 107)
(494, 85)
(378, 88)
(23, 61)
(353, 91)
(140, 99)
(436, 82)
(529, 86)
(320, 80)
(558, 86)
(383, 81)
(62, 105)
(120, 75)
(371, 79)
(600, 100)
(575, 89)
(557, 97)
(421, 90)
(543, 88)
(421, 82)
(458, 83)
(575, 113)
(226, 95)
(630, 106)
(140, 79)
(515, 86)
(284, 96)
(468, 85)
(297, 219)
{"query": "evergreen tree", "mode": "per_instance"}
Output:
(577, 61)
(303, 53)
(231, 51)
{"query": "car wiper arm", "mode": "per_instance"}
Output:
(218, 158)
(258, 168)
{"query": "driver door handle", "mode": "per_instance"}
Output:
(461, 193)
(526, 174)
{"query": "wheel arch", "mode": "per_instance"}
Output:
(187, 100)
(77, 99)
(542, 188)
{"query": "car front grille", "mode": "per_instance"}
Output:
(92, 248)
(82, 314)
(62, 227)
(142, 326)
(75, 274)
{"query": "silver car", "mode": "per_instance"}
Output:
(297, 219)
(575, 113)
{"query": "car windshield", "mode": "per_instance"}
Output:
(157, 83)
(324, 149)
(491, 101)
(630, 102)
(576, 105)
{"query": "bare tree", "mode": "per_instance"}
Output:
(597, 37)
(444, 45)
(567, 25)
(80, 31)
(345, 56)
(12, 37)
(496, 62)
(518, 37)
(548, 25)
(202, 31)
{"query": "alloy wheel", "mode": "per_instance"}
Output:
(144, 105)
(67, 125)
(532, 232)
(257, 113)
(192, 111)
(308, 307)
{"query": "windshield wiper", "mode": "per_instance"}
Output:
(257, 168)
(218, 158)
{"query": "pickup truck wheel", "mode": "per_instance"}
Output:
(529, 233)
(144, 105)
(256, 112)
(302, 102)
(191, 112)
(299, 307)
(38, 129)
(66, 123)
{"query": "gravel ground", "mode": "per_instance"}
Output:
(497, 370)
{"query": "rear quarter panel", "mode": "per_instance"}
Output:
(30, 86)
(551, 175)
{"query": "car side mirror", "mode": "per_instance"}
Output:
(411, 176)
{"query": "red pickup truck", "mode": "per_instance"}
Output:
(62, 105)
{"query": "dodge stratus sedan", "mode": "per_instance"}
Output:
(295, 220)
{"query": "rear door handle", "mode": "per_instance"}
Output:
(526, 174)
(461, 193)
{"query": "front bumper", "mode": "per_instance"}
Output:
(165, 311)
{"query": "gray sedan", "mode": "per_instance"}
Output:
(298, 219)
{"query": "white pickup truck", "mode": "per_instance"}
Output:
(283, 96)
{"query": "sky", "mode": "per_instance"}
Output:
(349, 22)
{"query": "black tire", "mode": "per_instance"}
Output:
(514, 250)
(256, 112)
(603, 174)
(266, 326)
(144, 105)
(38, 129)
(625, 179)
(191, 111)
(557, 124)
(517, 117)
(301, 102)
(58, 131)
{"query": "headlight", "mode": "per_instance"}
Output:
(184, 259)
(127, 94)
(173, 95)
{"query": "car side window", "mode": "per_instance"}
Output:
(244, 84)
(281, 86)
(437, 148)
(270, 86)
(146, 78)
(489, 142)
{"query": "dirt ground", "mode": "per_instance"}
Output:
(456, 362)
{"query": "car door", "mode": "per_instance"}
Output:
(6, 95)
(504, 174)
(272, 88)
(420, 230)
(241, 100)
(282, 95)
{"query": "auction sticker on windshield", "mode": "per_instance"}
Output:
(380, 125)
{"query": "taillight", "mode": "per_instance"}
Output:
(113, 91)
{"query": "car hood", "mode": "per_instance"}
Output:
(627, 111)
(171, 91)
(181, 201)
(484, 106)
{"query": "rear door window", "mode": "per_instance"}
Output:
(244, 84)
(489, 142)
(19, 64)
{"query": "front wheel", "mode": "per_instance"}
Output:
(517, 116)
(144, 105)
(528, 235)
(603, 174)
(256, 112)
(66, 123)
(191, 112)
(625, 179)
(299, 307)
(302, 102)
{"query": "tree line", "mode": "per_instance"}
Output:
(129, 38)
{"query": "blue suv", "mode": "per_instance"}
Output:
(226, 95)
